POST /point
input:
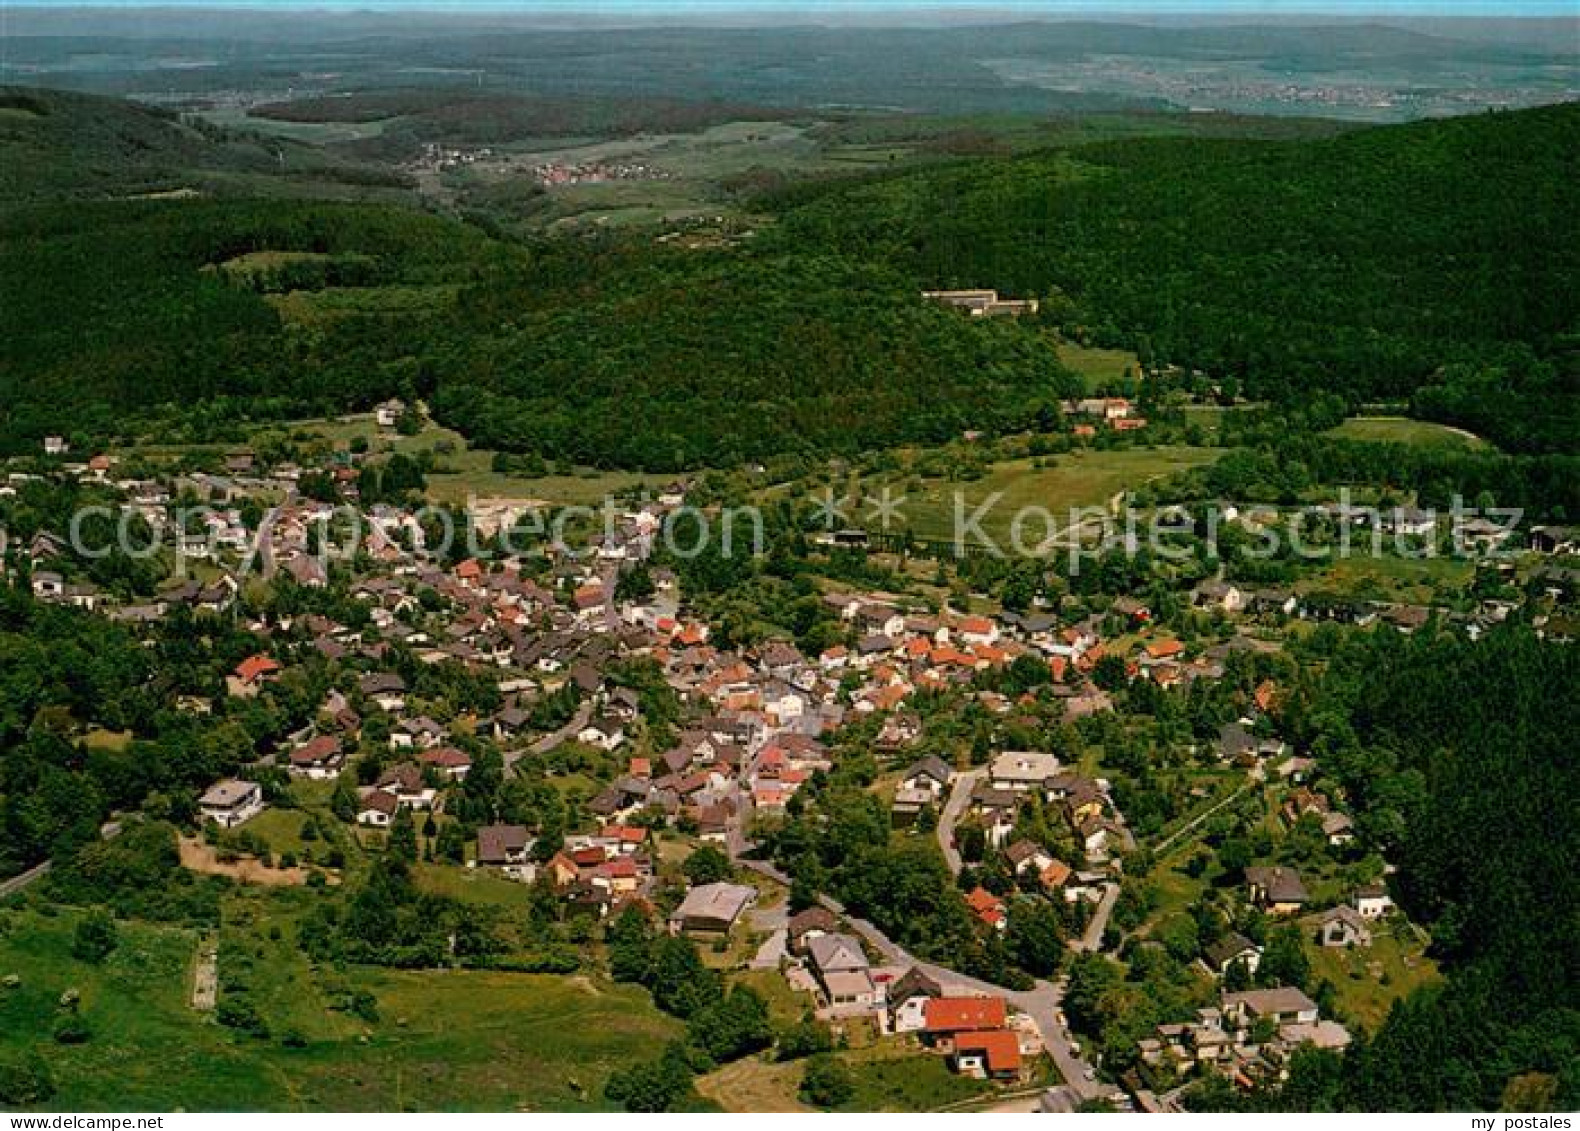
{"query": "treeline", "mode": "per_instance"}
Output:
(1363, 264)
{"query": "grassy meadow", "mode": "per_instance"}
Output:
(449, 1040)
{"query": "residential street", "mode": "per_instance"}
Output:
(959, 797)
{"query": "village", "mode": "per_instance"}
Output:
(1026, 831)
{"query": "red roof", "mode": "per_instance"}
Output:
(965, 1014)
(254, 668)
(1164, 648)
(447, 756)
(999, 1047)
(321, 749)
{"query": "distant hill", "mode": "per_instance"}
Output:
(61, 145)
(1438, 260)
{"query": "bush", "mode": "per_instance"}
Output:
(827, 1083)
(72, 1030)
(95, 938)
(24, 1077)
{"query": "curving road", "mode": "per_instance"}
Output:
(954, 808)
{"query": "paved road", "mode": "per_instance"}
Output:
(959, 797)
(1041, 1003)
(550, 741)
(1092, 937)
(18, 882)
(32, 875)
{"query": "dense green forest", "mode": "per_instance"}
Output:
(1439, 260)
(607, 353)
(1428, 261)
(1460, 753)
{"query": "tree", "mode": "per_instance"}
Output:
(630, 945)
(403, 836)
(733, 1026)
(1035, 937)
(806, 1037)
(1284, 961)
(826, 1082)
(655, 1085)
(708, 865)
(96, 936)
(343, 801)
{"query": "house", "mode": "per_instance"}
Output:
(1276, 890)
(945, 1018)
(405, 781)
(990, 1054)
(250, 675)
(1410, 522)
(907, 998)
(606, 733)
(988, 908)
(1284, 1004)
(1225, 952)
(388, 414)
(1338, 828)
(1021, 771)
(318, 759)
(842, 969)
(451, 763)
(230, 802)
(805, 926)
(1027, 856)
(386, 689)
(1343, 926)
(1218, 595)
(711, 909)
(1373, 901)
(377, 808)
(924, 784)
(56, 446)
(1555, 539)
(505, 847)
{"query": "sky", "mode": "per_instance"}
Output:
(1481, 8)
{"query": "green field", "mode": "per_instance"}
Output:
(444, 1040)
(1403, 430)
(1391, 578)
(1097, 366)
(1082, 478)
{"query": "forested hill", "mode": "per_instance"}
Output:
(1439, 260)
(58, 145)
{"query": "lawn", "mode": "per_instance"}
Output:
(1403, 430)
(1083, 478)
(1370, 981)
(1096, 366)
(1391, 578)
(444, 1040)
(887, 1078)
